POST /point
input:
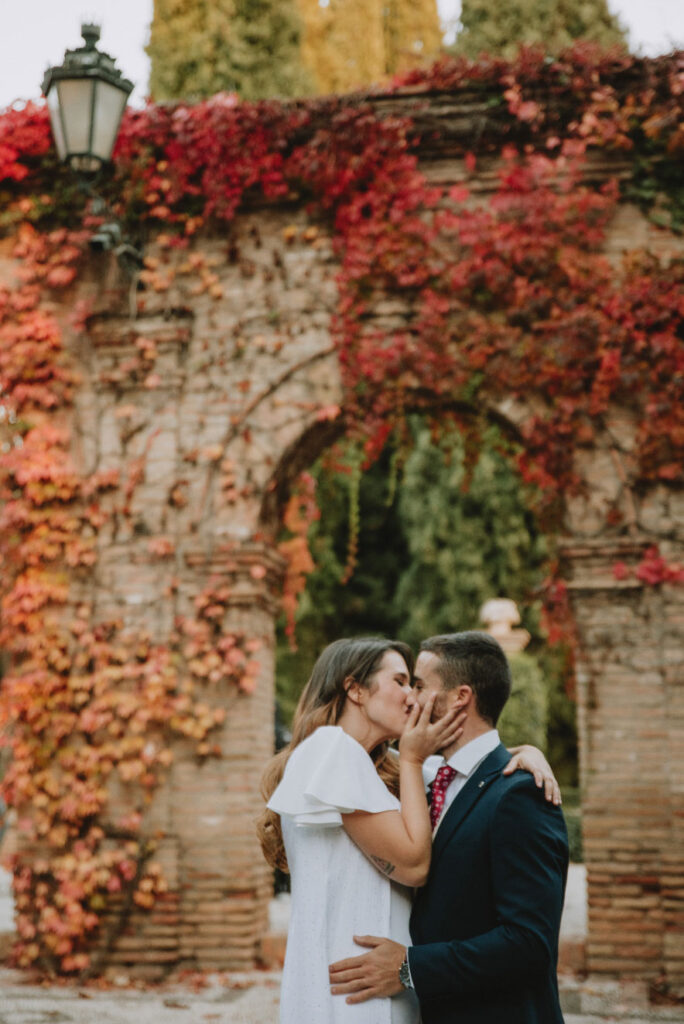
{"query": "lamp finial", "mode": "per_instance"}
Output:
(91, 34)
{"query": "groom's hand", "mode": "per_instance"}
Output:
(372, 975)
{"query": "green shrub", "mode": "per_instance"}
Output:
(572, 811)
(525, 717)
(573, 821)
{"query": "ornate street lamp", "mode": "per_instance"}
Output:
(86, 97)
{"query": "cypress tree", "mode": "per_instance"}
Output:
(261, 48)
(201, 47)
(501, 27)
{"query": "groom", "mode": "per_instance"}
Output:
(485, 926)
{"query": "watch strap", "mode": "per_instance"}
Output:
(405, 974)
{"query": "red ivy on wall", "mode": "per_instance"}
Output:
(503, 300)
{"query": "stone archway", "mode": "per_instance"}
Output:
(207, 405)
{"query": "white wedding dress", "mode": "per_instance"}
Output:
(336, 891)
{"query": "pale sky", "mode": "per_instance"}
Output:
(35, 33)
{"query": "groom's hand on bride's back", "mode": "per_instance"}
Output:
(372, 975)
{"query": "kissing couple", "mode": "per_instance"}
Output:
(456, 887)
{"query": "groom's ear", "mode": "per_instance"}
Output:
(462, 697)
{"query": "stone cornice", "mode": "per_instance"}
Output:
(589, 564)
(254, 572)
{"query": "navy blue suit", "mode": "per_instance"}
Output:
(485, 926)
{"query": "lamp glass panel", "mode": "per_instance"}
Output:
(56, 122)
(109, 107)
(75, 98)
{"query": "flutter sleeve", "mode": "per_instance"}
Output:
(329, 774)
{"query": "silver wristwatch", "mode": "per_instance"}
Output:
(405, 974)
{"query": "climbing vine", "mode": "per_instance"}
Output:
(84, 701)
(501, 300)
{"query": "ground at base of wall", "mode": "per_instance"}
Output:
(252, 998)
(585, 1000)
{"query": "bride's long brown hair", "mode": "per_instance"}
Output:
(322, 701)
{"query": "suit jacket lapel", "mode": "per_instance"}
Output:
(461, 806)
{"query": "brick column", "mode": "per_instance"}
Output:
(631, 731)
(216, 910)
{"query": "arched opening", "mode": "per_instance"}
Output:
(440, 531)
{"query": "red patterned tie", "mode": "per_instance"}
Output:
(439, 787)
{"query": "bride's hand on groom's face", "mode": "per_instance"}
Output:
(422, 737)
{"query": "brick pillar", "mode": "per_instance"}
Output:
(673, 854)
(631, 732)
(216, 910)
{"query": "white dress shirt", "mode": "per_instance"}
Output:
(465, 761)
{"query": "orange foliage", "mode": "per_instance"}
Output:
(82, 702)
(300, 512)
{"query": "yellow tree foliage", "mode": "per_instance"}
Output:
(261, 48)
(182, 46)
(413, 36)
(201, 47)
(343, 43)
(347, 44)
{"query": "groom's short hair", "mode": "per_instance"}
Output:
(476, 660)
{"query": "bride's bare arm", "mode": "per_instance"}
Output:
(530, 759)
(399, 842)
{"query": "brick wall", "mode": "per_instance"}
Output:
(630, 717)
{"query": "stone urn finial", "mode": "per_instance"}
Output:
(500, 615)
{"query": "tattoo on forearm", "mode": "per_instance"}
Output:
(383, 865)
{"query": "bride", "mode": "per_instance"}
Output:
(334, 820)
